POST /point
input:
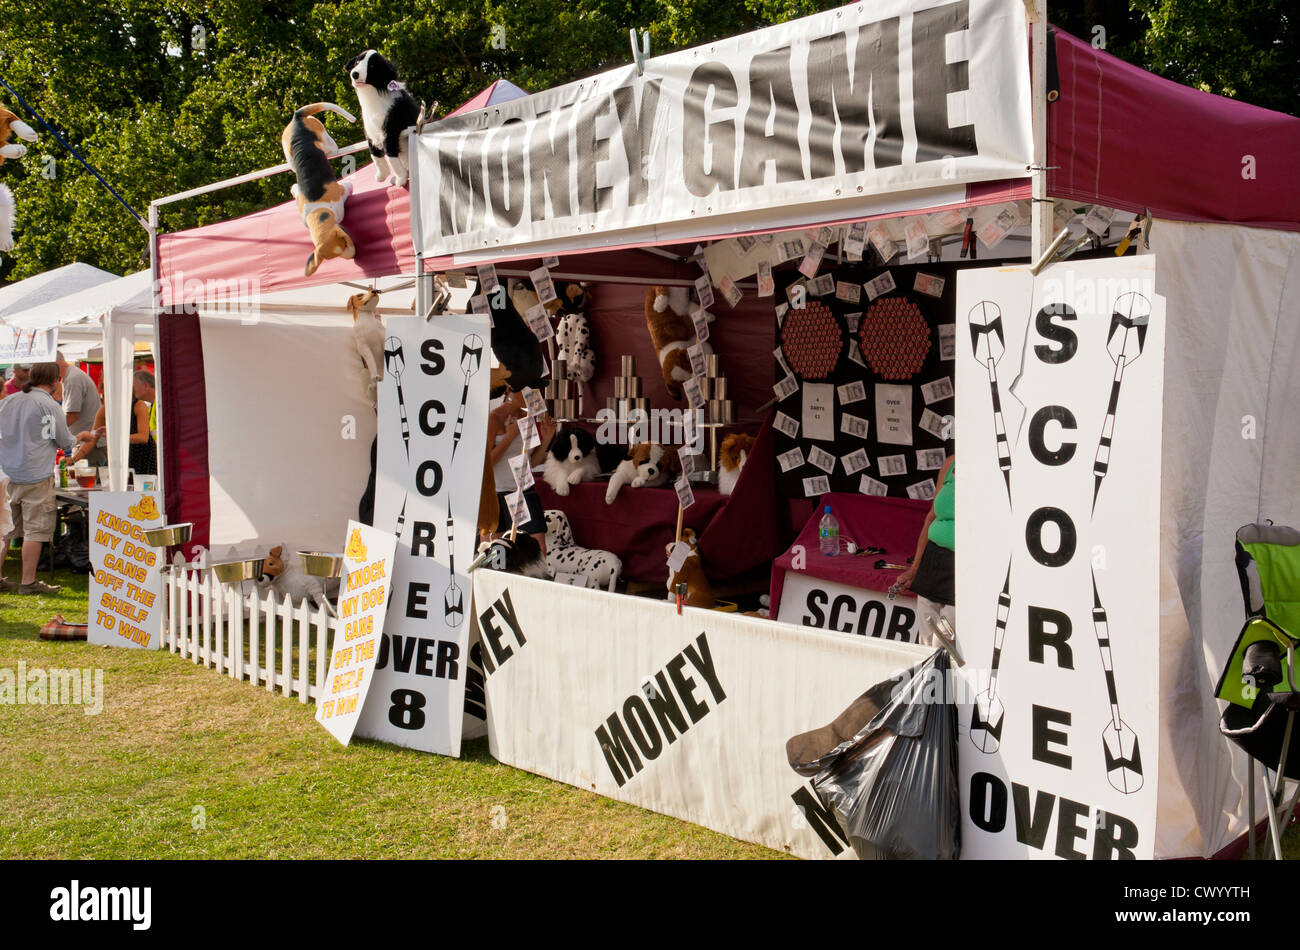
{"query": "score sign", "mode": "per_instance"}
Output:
(126, 588)
(362, 603)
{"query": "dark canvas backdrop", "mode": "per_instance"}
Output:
(818, 351)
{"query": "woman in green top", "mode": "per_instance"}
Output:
(931, 575)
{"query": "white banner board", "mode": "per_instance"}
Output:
(433, 404)
(28, 346)
(1060, 387)
(813, 119)
(813, 602)
(685, 715)
(126, 587)
(362, 604)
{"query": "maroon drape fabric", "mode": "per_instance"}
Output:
(183, 395)
(891, 523)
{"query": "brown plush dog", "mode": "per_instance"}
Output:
(691, 573)
(320, 195)
(735, 450)
(648, 464)
(671, 333)
(10, 124)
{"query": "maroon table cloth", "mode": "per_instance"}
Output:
(637, 527)
(868, 521)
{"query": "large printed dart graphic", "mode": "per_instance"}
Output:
(395, 363)
(1128, 333)
(989, 343)
(1123, 759)
(986, 715)
(471, 358)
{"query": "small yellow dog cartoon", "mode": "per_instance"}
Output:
(146, 509)
(356, 551)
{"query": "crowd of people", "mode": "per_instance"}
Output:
(45, 409)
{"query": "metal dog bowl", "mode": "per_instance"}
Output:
(320, 564)
(169, 534)
(236, 572)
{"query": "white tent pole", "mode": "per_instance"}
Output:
(155, 298)
(1041, 221)
(119, 363)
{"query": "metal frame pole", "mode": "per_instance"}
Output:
(1041, 216)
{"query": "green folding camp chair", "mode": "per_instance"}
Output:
(1259, 681)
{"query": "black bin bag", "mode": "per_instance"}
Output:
(887, 766)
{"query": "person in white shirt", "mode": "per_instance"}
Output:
(32, 429)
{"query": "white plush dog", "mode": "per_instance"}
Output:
(6, 220)
(601, 568)
(283, 575)
(571, 459)
(368, 337)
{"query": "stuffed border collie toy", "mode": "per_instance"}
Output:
(523, 555)
(387, 110)
(574, 457)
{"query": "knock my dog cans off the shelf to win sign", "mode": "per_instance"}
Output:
(126, 586)
(1060, 388)
(433, 406)
(362, 605)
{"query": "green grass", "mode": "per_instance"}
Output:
(178, 742)
(174, 737)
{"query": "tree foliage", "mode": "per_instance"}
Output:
(166, 95)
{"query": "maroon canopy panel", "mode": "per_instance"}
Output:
(1124, 138)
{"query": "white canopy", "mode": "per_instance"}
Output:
(86, 307)
(52, 285)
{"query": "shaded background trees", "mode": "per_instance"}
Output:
(165, 95)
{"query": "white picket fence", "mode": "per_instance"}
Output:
(242, 634)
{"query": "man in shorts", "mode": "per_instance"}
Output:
(32, 429)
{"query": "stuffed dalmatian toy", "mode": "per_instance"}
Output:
(573, 335)
(602, 569)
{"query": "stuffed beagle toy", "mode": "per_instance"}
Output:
(648, 465)
(320, 195)
(691, 573)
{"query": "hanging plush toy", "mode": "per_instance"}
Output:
(573, 335)
(515, 346)
(320, 195)
(368, 338)
(10, 124)
(667, 315)
(387, 110)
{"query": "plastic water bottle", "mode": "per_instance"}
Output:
(828, 534)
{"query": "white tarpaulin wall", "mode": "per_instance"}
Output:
(637, 158)
(1231, 456)
(567, 668)
(1057, 567)
(289, 425)
(289, 431)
